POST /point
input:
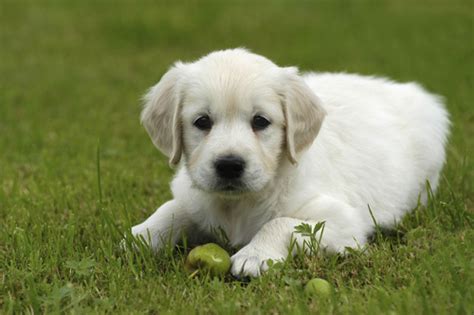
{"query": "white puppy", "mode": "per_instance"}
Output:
(261, 149)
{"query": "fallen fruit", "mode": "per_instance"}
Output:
(209, 258)
(318, 287)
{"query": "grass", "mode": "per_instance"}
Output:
(71, 75)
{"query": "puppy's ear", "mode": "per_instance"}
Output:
(303, 112)
(161, 113)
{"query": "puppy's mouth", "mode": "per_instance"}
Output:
(227, 187)
(230, 187)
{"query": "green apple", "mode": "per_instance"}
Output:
(209, 258)
(318, 287)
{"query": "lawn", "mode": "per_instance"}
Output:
(71, 77)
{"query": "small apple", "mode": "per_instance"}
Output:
(318, 287)
(208, 258)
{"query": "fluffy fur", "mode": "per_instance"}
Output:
(337, 144)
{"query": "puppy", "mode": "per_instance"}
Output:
(261, 149)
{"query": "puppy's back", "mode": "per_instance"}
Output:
(382, 139)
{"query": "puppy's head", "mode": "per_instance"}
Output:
(232, 117)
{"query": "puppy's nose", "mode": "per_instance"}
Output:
(230, 166)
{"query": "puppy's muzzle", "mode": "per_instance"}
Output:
(229, 167)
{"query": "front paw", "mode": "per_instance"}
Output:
(252, 261)
(133, 239)
(139, 237)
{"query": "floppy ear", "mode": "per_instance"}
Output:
(161, 111)
(303, 112)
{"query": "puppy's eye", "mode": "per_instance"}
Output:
(203, 123)
(260, 122)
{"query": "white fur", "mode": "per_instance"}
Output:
(379, 143)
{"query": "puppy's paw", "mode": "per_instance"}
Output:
(139, 237)
(251, 261)
(129, 242)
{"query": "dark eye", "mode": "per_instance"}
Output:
(203, 123)
(260, 122)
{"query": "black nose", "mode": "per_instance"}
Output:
(230, 166)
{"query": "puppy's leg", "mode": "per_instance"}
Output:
(164, 226)
(271, 242)
(343, 228)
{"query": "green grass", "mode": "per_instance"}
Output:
(71, 75)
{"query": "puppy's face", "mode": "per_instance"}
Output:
(233, 129)
(232, 117)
